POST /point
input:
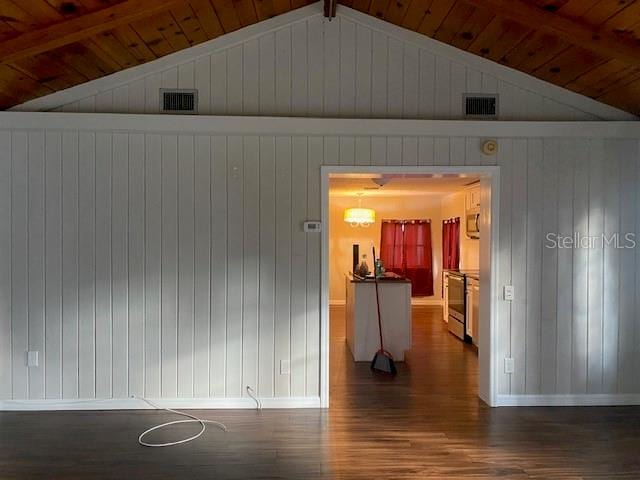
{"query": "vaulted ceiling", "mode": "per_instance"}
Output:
(589, 46)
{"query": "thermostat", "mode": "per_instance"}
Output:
(312, 227)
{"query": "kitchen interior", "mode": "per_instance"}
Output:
(425, 230)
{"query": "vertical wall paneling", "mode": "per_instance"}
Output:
(169, 289)
(36, 258)
(267, 267)
(136, 261)
(299, 89)
(552, 149)
(379, 91)
(363, 71)
(595, 264)
(202, 255)
(86, 265)
(19, 266)
(120, 264)
(283, 71)
(235, 265)
(53, 265)
(533, 267)
(283, 264)
(565, 165)
(251, 78)
(347, 67)
(104, 329)
(70, 265)
(250, 254)
(395, 76)
(117, 271)
(298, 266)
(580, 268)
(267, 73)
(518, 263)
(315, 77)
(627, 371)
(314, 161)
(503, 324)
(186, 264)
(219, 244)
(153, 181)
(331, 68)
(611, 298)
(5, 265)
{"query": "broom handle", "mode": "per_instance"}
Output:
(375, 281)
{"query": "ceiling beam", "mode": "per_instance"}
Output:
(78, 28)
(330, 8)
(574, 32)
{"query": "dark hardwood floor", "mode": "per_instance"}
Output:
(425, 423)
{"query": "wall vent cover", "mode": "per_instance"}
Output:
(480, 106)
(178, 101)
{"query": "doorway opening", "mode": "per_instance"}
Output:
(429, 226)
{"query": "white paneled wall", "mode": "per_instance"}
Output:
(174, 265)
(299, 64)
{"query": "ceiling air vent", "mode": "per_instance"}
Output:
(480, 106)
(178, 101)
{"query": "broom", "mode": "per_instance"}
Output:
(382, 360)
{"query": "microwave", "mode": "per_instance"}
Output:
(472, 224)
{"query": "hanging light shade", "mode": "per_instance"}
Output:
(359, 217)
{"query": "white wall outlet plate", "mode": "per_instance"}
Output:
(32, 359)
(508, 293)
(509, 365)
(285, 367)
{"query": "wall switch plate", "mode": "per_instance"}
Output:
(508, 365)
(312, 227)
(285, 367)
(508, 293)
(32, 359)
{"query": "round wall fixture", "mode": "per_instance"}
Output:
(490, 147)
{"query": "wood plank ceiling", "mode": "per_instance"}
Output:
(588, 46)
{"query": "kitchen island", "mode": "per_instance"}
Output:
(362, 320)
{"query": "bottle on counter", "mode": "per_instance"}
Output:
(379, 268)
(363, 269)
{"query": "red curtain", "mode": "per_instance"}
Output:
(405, 249)
(451, 244)
(391, 246)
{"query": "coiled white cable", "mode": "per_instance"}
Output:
(192, 419)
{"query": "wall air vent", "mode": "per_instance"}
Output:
(480, 106)
(178, 101)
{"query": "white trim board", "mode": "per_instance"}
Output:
(230, 125)
(567, 400)
(174, 403)
(520, 79)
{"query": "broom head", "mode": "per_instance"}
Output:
(383, 362)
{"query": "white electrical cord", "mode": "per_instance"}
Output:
(251, 393)
(192, 419)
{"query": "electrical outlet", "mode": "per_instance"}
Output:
(508, 293)
(32, 359)
(285, 367)
(508, 365)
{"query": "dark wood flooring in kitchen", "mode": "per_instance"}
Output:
(426, 423)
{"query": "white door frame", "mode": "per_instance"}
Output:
(489, 297)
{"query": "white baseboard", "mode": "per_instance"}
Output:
(174, 403)
(414, 301)
(426, 301)
(582, 400)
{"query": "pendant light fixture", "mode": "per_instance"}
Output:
(359, 216)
